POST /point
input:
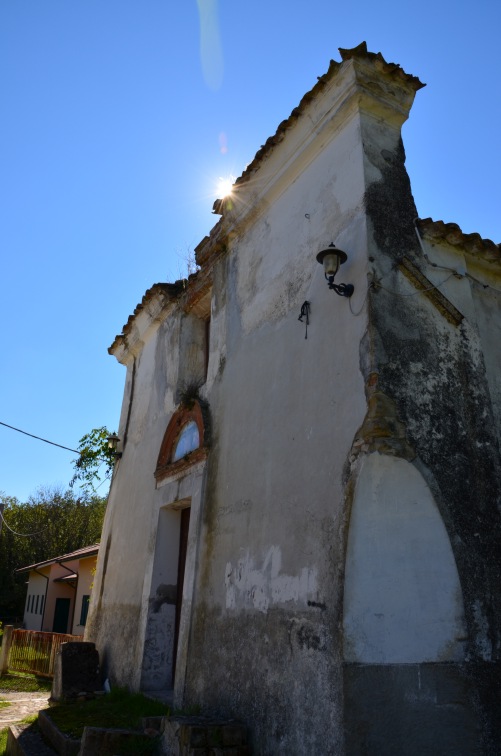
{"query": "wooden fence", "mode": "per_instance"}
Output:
(35, 652)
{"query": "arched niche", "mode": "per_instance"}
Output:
(402, 596)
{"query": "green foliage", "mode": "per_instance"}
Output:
(120, 709)
(51, 523)
(94, 452)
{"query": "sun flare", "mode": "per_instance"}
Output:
(224, 186)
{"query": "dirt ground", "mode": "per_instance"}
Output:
(22, 705)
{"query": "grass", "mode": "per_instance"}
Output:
(119, 709)
(25, 683)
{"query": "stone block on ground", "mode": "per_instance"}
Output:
(203, 736)
(98, 741)
(76, 671)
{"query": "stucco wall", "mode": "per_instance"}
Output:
(86, 570)
(284, 410)
(135, 590)
(402, 595)
(33, 611)
(428, 376)
(376, 431)
(55, 591)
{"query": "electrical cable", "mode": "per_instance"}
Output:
(39, 438)
(107, 477)
(461, 273)
(375, 284)
(53, 443)
(414, 293)
(370, 286)
(23, 535)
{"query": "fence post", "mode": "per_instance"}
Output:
(6, 644)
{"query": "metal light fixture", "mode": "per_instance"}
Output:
(331, 258)
(113, 442)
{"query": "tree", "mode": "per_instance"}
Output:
(94, 452)
(51, 523)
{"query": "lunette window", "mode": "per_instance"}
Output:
(187, 441)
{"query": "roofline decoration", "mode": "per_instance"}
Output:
(359, 52)
(164, 294)
(473, 244)
(213, 246)
(84, 553)
(351, 85)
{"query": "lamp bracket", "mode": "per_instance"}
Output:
(344, 290)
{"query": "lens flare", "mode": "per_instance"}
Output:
(224, 186)
(211, 51)
(223, 143)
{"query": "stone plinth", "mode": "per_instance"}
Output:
(76, 671)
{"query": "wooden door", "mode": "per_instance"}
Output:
(183, 547)
(61, 615)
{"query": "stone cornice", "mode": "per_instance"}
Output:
(390, 72)
(147, 316)
(192, 294)
(472, 244)
(363, 81)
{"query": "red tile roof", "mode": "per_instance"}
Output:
(451, 233)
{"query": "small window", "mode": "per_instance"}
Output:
(184, 442)
(41, 604)
(85, 609)
(187, 441)
(36, 605)
(28, 603)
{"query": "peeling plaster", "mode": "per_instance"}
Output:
(260, 587)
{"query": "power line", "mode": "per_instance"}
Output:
(24, 535)
(107, 477)
(39, 438)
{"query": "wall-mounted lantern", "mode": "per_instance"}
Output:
(113, 442)
(331, 258)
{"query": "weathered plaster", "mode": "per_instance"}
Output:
(402, 596)
(260, 587)
(386, 408)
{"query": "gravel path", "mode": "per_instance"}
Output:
(21, 705)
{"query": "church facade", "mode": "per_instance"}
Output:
(303, 528)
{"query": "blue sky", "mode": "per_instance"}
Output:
(118, 117)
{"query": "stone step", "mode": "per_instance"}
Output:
(26, 740)
(96, 741)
